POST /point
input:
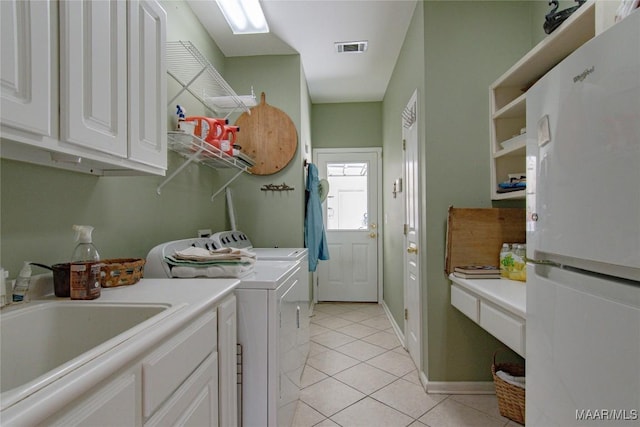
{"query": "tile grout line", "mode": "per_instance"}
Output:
(396, 377)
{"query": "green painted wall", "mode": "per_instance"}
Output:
(539, 8)
(354, 124)
(452, 53)
(482, 40)
(407, 76)
(273, 218)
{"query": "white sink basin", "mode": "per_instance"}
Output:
(42, 341)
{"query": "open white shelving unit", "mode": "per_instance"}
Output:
(197, 76)
(508, 95)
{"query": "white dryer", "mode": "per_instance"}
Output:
(293, 306)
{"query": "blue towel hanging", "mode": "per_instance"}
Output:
(314, 235)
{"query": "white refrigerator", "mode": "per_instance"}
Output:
(583, 236)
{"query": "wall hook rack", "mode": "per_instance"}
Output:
(276, 187)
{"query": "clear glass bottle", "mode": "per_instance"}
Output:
(85, 266)
(505, 260)
(519, 267)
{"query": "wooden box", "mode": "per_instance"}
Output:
(475, 235)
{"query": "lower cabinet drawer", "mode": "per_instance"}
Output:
(195, 403)
(507, 328)
(167, 367)
(467, 303)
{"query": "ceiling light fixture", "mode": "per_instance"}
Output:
(244, 16)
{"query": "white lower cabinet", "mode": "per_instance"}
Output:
(188, 380)
(503, 324)
(170, 365)
(116, 403)
(195, 403)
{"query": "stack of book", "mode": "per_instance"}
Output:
(477, 272)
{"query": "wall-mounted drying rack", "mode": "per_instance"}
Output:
(199, 77)
(194, 149)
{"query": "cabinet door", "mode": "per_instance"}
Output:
(115, 404)
(195, 403)
(147, 83)
(227, 351)
(29, 66)
(166, 368)
(93, 75)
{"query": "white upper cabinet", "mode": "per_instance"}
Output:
(147, 83)
(93, 75)
(111, 82)
(29, 66)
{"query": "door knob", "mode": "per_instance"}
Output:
(412, 250)
(373, 235)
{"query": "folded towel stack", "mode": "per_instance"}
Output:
(224, 262)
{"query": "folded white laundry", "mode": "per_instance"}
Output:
(516, 381)
(202, 254)
(215, 271)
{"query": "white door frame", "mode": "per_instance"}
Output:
(378, 152)
(410, 121)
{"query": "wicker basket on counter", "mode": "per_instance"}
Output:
(121, 271)
(511, 399)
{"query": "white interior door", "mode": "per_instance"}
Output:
(412, 301)
(351, 222)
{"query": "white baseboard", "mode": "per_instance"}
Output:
(442, 387)
(394, 325)
(459, 387)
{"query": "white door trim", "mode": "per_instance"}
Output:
(378, 152)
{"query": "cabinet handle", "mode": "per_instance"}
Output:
(298, 316)
(412, 250)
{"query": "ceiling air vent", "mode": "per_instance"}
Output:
(351, 47)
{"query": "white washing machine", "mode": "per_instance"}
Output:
(273, 330)
(294, 306)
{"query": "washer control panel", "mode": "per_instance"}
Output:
(231, 239)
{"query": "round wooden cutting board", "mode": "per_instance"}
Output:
(268, 136)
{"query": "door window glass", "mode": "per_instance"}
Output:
(347, 202)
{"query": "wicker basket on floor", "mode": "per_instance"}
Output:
(511, 399)
(121, 271)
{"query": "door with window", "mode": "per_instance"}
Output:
(350, 212)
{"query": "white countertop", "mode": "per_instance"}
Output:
(511, 295)
(187, 298)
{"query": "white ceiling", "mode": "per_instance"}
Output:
(310, 28)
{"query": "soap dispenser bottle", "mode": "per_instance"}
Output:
(22, 283)
(85, 266)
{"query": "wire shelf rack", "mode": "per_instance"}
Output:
(199, 77)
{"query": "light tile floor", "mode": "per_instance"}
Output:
(358, 374)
